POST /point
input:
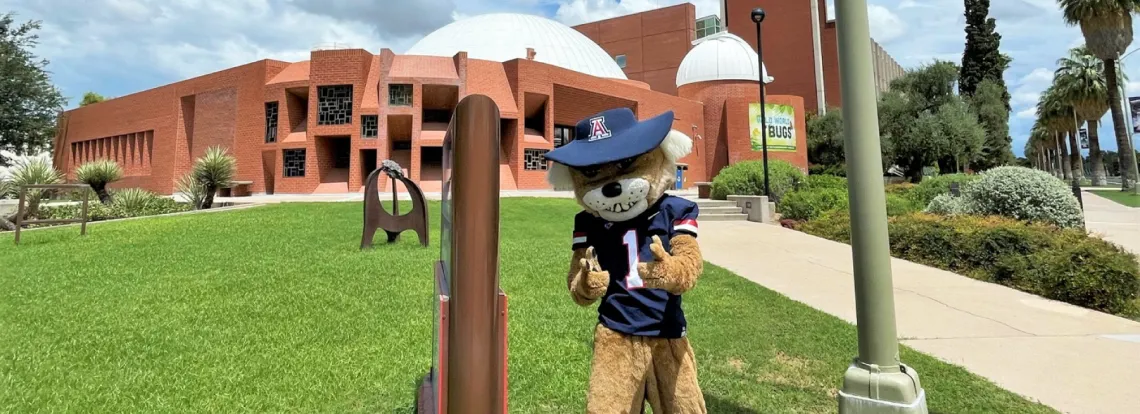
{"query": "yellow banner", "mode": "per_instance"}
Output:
(781, 134)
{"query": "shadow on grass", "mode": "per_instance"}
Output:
(715, 404)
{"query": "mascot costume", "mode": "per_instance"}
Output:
(635, 249)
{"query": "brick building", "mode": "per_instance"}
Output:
(319, 126)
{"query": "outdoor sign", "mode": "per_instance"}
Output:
(781, 134)
(1134, 105)
(1084, 138)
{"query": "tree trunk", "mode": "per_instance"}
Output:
(7, 224)
(1063, 156)
(1127, 157)
(1096, 158)
(209, 200)
(1075, 161)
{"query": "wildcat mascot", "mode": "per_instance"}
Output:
(635, 250)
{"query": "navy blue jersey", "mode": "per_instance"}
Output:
(629, 307)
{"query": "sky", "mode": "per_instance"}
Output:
(117, 47)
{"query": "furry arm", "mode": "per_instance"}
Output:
(676, 272)
(587, 281)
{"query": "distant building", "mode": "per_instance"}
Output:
(321, 125)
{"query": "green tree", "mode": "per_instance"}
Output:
(1059, 119)
(825, 138)
(90, 98)
(982, 59)
(29, 103)
(1107, 28)
(993, 114)
(1080, 81)
(965, 137)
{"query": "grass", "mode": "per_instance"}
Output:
(275, 309)
(1127, 198)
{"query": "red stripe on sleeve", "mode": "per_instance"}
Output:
(579, 234)
(690, 222)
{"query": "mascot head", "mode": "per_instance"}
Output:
(619, 167)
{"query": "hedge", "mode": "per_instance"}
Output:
(747, 178)
(1062, 264)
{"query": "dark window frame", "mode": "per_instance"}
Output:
(369, 126)
(531, 164)
(404, 97)
(287, 167)
(334, 104)
(271, 126)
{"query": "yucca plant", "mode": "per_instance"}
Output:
(30, 171)
(98, 174)
(193, 190)
(214, 170)
(134, 199)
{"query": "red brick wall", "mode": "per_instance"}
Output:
(213, 121)
(654, 42)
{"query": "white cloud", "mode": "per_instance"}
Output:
(1027, 113)
(885, 25)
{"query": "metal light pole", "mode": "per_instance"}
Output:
(758, 17)
(876, 381)
(1128, 121)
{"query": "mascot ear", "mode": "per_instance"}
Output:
(559, 177)
(676, 145)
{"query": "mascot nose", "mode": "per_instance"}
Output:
(612, 190)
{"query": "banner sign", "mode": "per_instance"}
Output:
(1084, 138)
(781, 134)
(1134, 105)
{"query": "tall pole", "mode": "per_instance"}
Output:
(876, 381)
(821, 105)
(758, 17)
(1131, 130)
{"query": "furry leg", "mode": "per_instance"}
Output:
(617, 373)
(673, 380)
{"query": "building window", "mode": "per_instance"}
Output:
(535, 159)
(334, 105)
(563, 135)
(400, 95)
(270, 122)
(294, 162)
(620, 59)
(369, 126)
(708, 25)
(401, 145)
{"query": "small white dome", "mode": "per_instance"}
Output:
(501, 37)
(720, 56)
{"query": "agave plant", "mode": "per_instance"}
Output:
(98, 174)
(30, 171)
(191, 189)
(214, 170)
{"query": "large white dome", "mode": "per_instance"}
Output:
(506, 36)
(720, 56)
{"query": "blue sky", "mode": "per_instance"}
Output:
(116, 47)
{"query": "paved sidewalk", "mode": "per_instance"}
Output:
(1112, 221)
(341, 197)
(1067, 357)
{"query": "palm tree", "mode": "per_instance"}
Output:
(1107, 28)
(1040, 136)
(214, 170)
(98, 174)
(1056, 117)
(1080, 80)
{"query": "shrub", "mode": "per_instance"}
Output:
(838, 170)
(810, 204)
(902, 189)
(192, 190)
(98, 174)
(747, 178)
(1092, 273)
(132, 202)
(923, 193)
(813, 182)
(1024, 194)
(214, 170)
(946, 205)
(833, 225)
(898, 205)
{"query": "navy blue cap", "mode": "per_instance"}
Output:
(611, 136)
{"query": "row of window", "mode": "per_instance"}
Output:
(534, 159)
(334, 107)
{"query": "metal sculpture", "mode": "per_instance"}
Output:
(470, 308)
(376, 218)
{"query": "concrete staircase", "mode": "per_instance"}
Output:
(718, 210)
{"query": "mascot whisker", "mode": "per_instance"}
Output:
(635, 252)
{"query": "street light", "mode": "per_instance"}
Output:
(876, 381)
(1131, 127)
(758, 17)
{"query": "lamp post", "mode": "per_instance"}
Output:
(758, 17)
(1131, 127)
(876, 381)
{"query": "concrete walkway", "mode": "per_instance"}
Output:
(1112, 221)
(1067, 357)
(297, 198)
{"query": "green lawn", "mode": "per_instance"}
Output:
(275, 309)
(1128, 198)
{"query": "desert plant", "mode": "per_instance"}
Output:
(1023, 194)
(98, 174)
(747, 178)
(191, 189)
(946, 205)
(925, 191)
(214, 170)
(134, 199)
(30, 171)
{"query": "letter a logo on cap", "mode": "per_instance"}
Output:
(598, 129)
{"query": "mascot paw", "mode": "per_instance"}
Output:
(657, 274)
(596, 280)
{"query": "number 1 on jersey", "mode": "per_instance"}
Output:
(632, 279)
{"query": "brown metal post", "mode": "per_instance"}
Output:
(473, 377)
(20, 212)
(83, 224)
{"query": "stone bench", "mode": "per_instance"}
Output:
(235, 189)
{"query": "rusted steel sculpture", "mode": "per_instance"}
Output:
(471, 310)
(376, 218)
